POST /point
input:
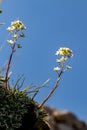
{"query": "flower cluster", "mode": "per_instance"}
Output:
(64, 54)
(16, 29)
(16, 25)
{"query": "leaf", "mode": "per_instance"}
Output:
(19, 46)
(17, 86)
(0, 11)
(26, 89)
(37, 89)
(22, 35)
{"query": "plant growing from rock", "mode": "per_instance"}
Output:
(18, 110)
(64, 53)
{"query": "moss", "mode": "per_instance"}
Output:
(19, 112)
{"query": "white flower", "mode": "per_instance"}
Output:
(11, 28)
(62, 59)
(10, 41)
(68, 67)
(56, 69)
(64, 51)
(16, 25)
(15, 36)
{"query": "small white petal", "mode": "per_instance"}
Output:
(56, 69)
(10, 41)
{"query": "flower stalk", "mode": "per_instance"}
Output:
(53, 89)
(65, 53)
(16, 30)
(8, 67)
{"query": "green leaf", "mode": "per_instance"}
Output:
(19, 46)
(0, 11)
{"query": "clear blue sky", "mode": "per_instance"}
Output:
(51, 24)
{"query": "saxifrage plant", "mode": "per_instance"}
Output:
(18, 110)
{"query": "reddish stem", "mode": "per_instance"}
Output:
(53, 89)
(8, 67)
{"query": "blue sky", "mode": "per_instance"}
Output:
(51, 24)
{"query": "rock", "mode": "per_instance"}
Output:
(64, 120)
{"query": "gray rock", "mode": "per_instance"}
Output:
(64, 120)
